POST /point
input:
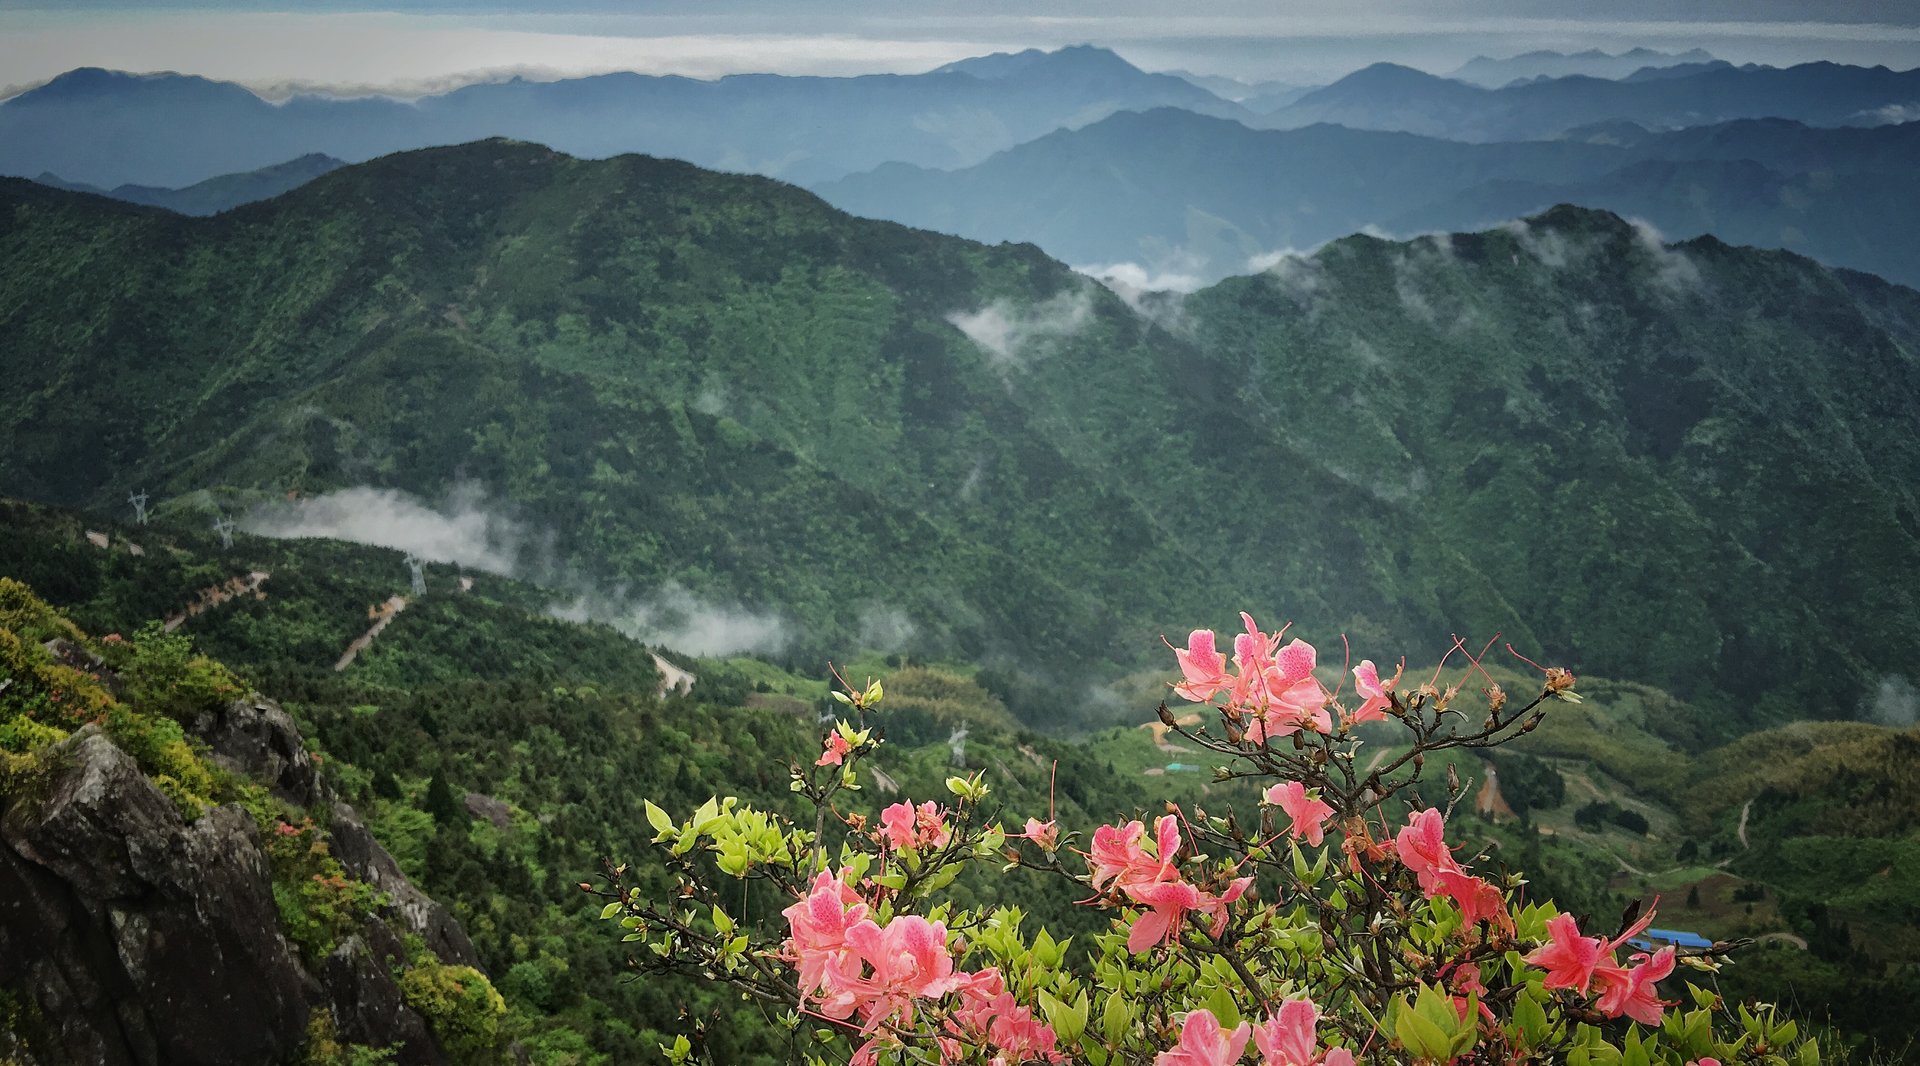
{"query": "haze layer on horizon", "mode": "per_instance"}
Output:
(411, 48)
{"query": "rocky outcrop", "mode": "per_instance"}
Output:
(412, 909)
(144, 938)
(367, 1005)
(131, 936)
(259, 739)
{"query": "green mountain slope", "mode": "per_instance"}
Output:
(1690, 466)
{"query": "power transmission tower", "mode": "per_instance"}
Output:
(958, 742)
(139, 502)
(415, 568)
(224, 526)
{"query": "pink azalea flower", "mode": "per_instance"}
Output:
(1295, 661)
(1478, 900)
(905, 826)
(1118, 857)
(907, 960)
(1291, 706)
(836, 749)
(1045, 834)
(819, 924)
(1366, 682)
(1423, 849)
(1466, 981)
(1115, 850)
(1309, 815)
(1287, 1038)
(1204, 1043)
(1631, 992)
(1215, 907)
(988, 1014)
(1167, 904)
(1205, 668)
(1569, 958)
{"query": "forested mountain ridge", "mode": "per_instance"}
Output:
(722, 381)
(1213, 194)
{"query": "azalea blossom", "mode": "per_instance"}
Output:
(1373, 691)
(1465, 979)
(836, 749)
(1478, 900)
(1569, 958)
(989, 1016)
(1167, 904)
(1287, 1038)
(1045, 834)
(1309, 815)
(818, 926)
(1205, 668)
(1204, 1043)
(1423, 849)
(905, 960)
(1630, 992)
(908, 827)
(1119, 859)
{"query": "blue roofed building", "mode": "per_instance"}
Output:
(1654, 939)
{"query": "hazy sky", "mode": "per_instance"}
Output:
(424, 43)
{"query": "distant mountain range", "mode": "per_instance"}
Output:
(1390, 97)
(214, 195)
(1592, 63)
(1694, 465)
(105, 129)
(1212, 195)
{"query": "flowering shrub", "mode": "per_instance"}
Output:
(1334, 925)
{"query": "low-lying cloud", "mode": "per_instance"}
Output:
(473, 532)
(1894, 702)
(1011, 334)
(1546, 244)
(1157, 295)
(673, 617)
(465, 531)
(886, 629)
(1672, 269)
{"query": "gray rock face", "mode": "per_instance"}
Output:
(258, 739)
(148, 940)
(368, 1007)
(138, 938)
(412, 909)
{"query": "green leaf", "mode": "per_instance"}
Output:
(658, 818)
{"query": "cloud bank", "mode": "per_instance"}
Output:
(470, 531)
(465, 531)
(673, 617)
(1009, 334)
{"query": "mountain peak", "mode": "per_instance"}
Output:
(1075, 58)
(93, 83)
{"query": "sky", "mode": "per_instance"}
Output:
(422, 45)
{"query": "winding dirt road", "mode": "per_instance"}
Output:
(382, 615)
(214, 595)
